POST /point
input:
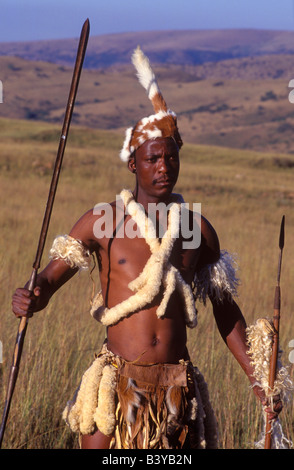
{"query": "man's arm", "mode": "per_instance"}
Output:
(55, 274)
(229, 318)
(232, 327)
(25, 303)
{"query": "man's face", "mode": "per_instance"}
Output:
(157, 166)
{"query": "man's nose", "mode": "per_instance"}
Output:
(163, 165)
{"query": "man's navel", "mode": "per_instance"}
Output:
(155, 341)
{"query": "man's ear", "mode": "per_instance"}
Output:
(132, 164)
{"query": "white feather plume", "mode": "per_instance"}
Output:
(145, 73)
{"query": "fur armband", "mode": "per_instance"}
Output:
(260, 343)
(71, 251)
(217, 279)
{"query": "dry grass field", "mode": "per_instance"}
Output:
(243, 193)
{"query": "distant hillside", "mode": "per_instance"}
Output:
(165, 47)
(228, 88)
(239, 103)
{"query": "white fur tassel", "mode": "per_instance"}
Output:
(145, 73)
(71, 251)
(157, 272)
(125, 152)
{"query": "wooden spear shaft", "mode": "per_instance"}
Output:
(275, 343)
(47, 215)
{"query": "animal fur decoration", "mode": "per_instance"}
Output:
(260, 339)
(71, 251)
(143, 406)
(157, 273)
(161, 124)
(213, 280)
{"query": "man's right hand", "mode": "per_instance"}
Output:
(24, 302)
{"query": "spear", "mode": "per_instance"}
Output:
(48, 210)
(276, 325)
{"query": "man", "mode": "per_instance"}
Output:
(142, 390)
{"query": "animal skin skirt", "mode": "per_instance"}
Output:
(153, 406)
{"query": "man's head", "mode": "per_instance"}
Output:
(156, 165)
(162, 124)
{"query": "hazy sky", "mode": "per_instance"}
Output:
(50, 19)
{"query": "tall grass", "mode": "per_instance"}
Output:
(243, 194)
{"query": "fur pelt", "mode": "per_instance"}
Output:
(161, 124)
(71, 250)
(260, 340)
(157, 273)
(161, 406)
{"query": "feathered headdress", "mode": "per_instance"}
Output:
(161, 124)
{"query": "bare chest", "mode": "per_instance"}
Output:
(127, 257)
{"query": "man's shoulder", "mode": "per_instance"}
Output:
(210, 246)
(105, 209)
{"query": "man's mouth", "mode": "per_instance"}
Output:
(163, 181)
